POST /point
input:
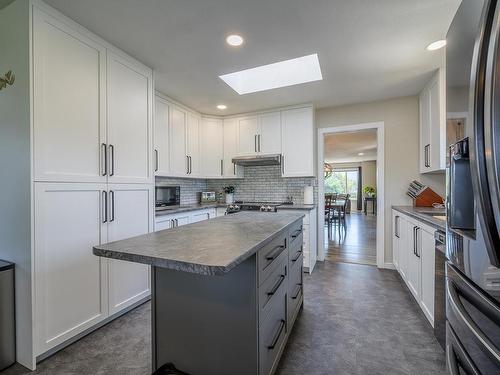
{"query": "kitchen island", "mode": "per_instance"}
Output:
(225, 292)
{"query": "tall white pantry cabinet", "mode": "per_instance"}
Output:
(92, 175)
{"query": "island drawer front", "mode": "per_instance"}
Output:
(295, 252)
(272, 334)
(296, 232)
(295, 288)
(269, 254)
(273, 286)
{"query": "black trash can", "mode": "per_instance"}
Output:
(7, 316)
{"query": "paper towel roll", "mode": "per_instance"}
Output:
(308, 195)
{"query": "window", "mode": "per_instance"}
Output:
(343, 181)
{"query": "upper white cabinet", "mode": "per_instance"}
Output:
(193, 145)
(178, 143)
(212, 134)
(297, 142)
(259, 134)
(129, 119)
(69, 101)
(162, 137)
(432, 104)
(230, 130)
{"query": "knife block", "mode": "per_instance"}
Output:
(427, 197)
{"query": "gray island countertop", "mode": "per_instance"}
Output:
(210, 247)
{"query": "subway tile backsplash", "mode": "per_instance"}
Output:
(261, 183)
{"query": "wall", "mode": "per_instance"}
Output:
(401, 164)
(266, 184)
(15, 198)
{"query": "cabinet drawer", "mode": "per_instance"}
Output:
(269, 254)
(273, 286)
(295, 288)
(295, 253)
(272, 333)
(296, 232)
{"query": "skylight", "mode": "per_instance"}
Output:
(281, 74)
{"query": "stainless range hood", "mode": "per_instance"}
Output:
(273, 159)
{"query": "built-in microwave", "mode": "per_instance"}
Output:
(167, 196)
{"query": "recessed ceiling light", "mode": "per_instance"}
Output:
(361, 153)
(436, 45)
(281, 74)
(234, 40)
(222, 106)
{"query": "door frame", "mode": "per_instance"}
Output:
(322, 132)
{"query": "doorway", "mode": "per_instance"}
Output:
(351, 194)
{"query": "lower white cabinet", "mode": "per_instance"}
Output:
(413, 257)
(74, 289)
(129, 215)
(310, 243)
(70, 282)
(168, 221)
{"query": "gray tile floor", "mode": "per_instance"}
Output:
(356, 320)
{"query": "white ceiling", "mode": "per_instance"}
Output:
(344, 147)
(368, 49)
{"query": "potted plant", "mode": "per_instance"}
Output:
(370, 191)
(229, 190)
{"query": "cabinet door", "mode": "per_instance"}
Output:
(178, 136)
(248, 131)
(163, 222)
(70, 282)
(297, 142)
(427, 256)
(212, 148)
(269, 141)
(396, 220)
(404, 247)
(193, 145)
(437, 157)
(130, 214)
(129, 120)
(162, 137)
(425, 139)
(182, 219)
(413, 279)
(197, 216)
(230, 147)
(69, 103)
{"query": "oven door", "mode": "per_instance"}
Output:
(473, 328)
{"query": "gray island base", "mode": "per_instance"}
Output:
(225, 292)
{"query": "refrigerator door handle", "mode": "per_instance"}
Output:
(456, 355)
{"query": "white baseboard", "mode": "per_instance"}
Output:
(389, 265)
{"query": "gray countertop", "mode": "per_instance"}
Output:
(294, 206)
(210, 247)
(186, 208)
(419, 214)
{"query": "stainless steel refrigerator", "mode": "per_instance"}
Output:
(473, 196)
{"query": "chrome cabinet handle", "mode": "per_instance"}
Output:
(255, 142)
(187, 164)
(396, 226)
(105, 206)
(258, 139)
(222, 167)
(171, 223)
(112, 159)
(283, 164)
(190, 165)
(234, 169)
(104, 160)
(112, 203)
(156, 160)
(416, 242)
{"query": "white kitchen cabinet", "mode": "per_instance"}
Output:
(201, 215)
(130, 213)
(70, 282)
(69, 101)
(433, 125)
(427, 259)
(212, 154)
(248, 129)
(396, 236)
(269, 140)
(415, 249)
(297, 142)
(162, 137)
(178, 142)
(129, 96)
(230, 149)
(193, 145)
(163, 222)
